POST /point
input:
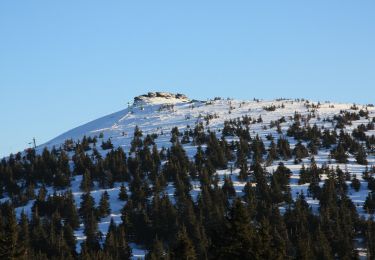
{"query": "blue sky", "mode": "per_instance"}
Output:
(64, 63)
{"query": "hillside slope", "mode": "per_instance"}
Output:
(158, 113)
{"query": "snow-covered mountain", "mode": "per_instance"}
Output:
(157, 113)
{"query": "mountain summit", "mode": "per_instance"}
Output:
(160, 98)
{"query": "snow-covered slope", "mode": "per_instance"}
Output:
(144, 112)
(159, 112)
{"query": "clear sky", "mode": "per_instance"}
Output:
(64, 63)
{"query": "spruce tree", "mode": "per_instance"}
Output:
(183, 247)
(361, 156)
(86, 183)
(369, 205)
(300, 152)
(304, 175)
(356, 184)
(70, 212)
(116, 245)
(228, 187)
(339, 154)
(104, 208)
(370, 238)
(272, 153)
(89, 215)
(107, 145)
(321, 247)
(123, 249)
(110, 239)
(238, 240)
(9, 246)
(157, 251)
(24, 234)
(244, 171)
(123, 195)
(283, 149)
(69, 238)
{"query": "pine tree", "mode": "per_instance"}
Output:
(313, 146)
(107, 145)
(369, 205)
(157, 251)
(276, 191)
(215, 153)
(92, 235)
(321, 247)
(156, 155)
(9, 247)
(69, 238)
(86, 183)
(110, 239)
(87, 206)
(115, 244)
(137, 141)
(258, 149)
(38, 236)
(272, 153)
(228, 187)
(328, 138)
(264, 247)
(183, 248)
(304, 176)
(314, 175)
(339, 154)
(238, 240)
(356, 184)
(199, 158)
(244, 171)
(283, 149)
(370, 238)
(361, 156)
(300, 152)
(123, 195)
(89, 215)
(69, 212)
(42, 194)
(123, 248)
(282, 174)
(249, 198)
(24, 234)
(104, 208)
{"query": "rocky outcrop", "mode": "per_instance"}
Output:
(159, 97)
